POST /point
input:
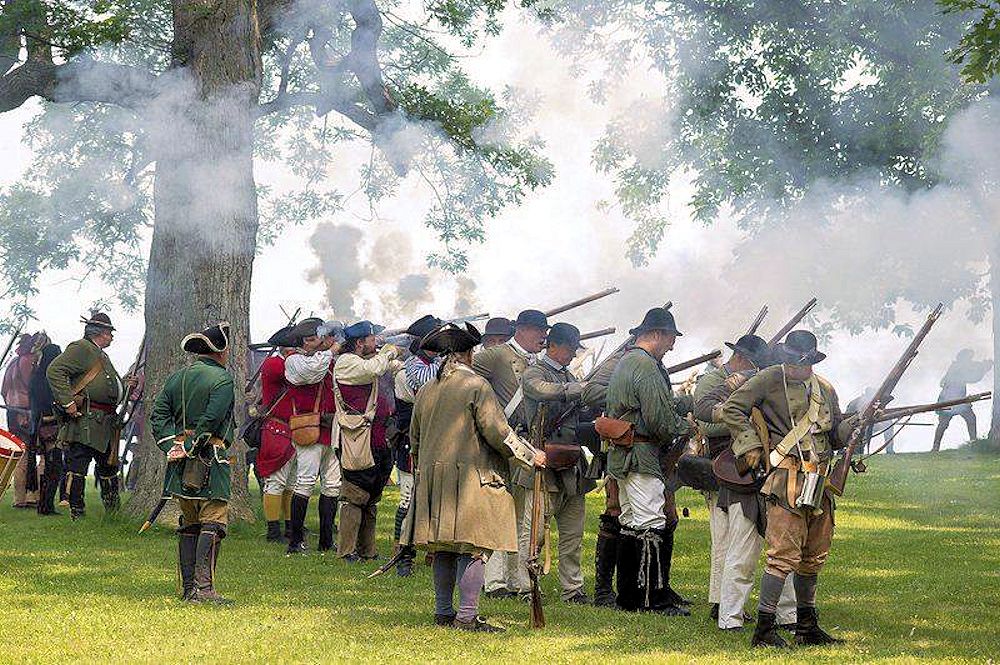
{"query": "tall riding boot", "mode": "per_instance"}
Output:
(187, 552)
(206, 555)
(366, 534)
(327, 513)
(400, 518)
(807, 630)
(300, 507)
(627, 570)
(274, 534)
(604, 561)
(663, 599)
(765, 633)
(109, 493)
(77, 486)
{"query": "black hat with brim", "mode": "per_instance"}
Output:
(532, 317)
(99, 319)
(214, 339)
(451, 338)
(564, 334)
(657, 319)
(799, 348)
(305, 328)
(424, 325)
(499, 326)
(753, 348)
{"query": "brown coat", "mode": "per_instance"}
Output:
(461, 441)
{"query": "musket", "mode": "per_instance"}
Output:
(694, 362)
(598, 333)
(126, 410)
(461, 319)
(159, 507)
(537, 504)
(582, 301)
(901, 412)
(15, 409)
(752, 330)
(628, 342)
(256, 375)
(10, 344)
(794, 321)
(837, 479)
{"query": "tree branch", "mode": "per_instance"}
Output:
(80, 80)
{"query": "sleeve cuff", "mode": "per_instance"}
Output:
(522, 451)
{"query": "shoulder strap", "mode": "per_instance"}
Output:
(87, 378)
(274, 404)
(370, 409)
(801, 428)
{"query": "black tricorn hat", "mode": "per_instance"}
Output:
(799, 348)
(564, 334)
(304, 328)
(99, 319)
(214, 339)
(499, 326)
(532, 317)
(657, 319)
(281, 337)
(753, 348)
(424, 325)
(451, 338)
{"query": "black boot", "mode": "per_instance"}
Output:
(663, 599)
(627, 571)
(666, 558)
(404, 567)
(206, 556)
(765, 633)
(807, 630)
(300, 507)
(77, 485)
(50, 483)
(187, 553)
(274, 534)
(400, 517)
(109, 493)
(713, 614)
(327, 514)
(604, 561)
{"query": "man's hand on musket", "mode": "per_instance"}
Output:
(753, 457)
(540, 459)
(176, 453)
(72, 411)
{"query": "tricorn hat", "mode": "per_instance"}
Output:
(799, 348)
(532, 317)
(753, 348)
(564, 334)
(657, 319)
(304, 328)
(451, 338)
(99, 319)
(214, 339)
(499, 326)
(424, 325)
(362, 329)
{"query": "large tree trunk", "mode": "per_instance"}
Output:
(205, 229)
(995, 301)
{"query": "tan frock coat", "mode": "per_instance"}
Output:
(462, 441)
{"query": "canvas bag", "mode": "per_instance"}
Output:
(305, 426)
(354, 431)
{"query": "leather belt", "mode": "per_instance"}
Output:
(101, 406)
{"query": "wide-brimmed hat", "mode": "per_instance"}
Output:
(657, 319)
(499, 326)
(362, 329)
(424, 325)
(99, 319)
(564, 334)
(753, 348)
(451, 338)
(214, 339)
(532, 317)
(799, 348)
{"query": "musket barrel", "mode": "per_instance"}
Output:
(598, 333)
(794, 321)
(694, 362)
(582, 301)
(752, 330)
(907, 411)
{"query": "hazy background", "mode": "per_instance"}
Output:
(564, 243)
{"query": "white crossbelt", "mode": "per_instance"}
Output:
(514, 402)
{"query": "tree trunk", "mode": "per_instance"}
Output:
(995, 301)
(205, 223)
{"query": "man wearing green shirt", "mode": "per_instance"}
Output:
(88, 390)
(192, 420)
(640, 393)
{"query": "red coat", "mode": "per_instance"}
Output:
(357, 398)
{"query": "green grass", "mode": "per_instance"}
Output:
(913, 575)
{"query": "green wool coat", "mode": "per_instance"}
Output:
(197, 399)
(93, 428)
(640, 393)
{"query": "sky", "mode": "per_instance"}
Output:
(560, 245)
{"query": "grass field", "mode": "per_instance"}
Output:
(914, 575)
